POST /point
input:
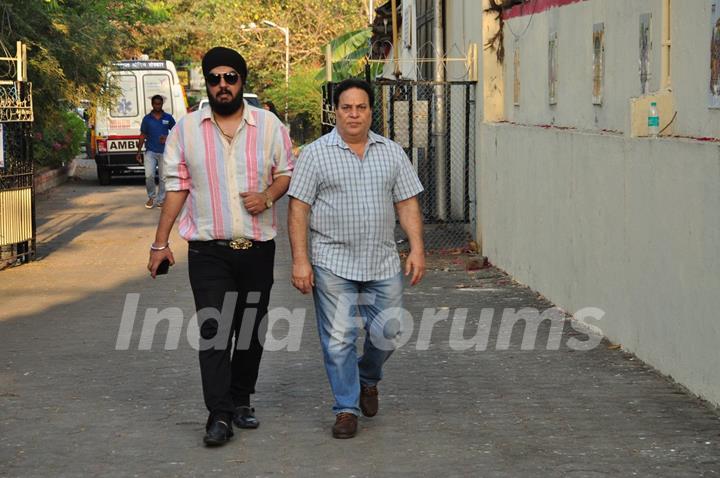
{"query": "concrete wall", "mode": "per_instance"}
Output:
(574, 25)
(690, 23)
(465, 23)
(690, 60)
(630, 226)
(596, 218)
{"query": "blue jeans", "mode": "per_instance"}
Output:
(338, 302)
(152, 161)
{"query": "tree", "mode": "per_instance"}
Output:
(72, 41)
(350, 52)
(304, 100)
(194, 27)
(69, 44)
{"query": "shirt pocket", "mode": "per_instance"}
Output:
(339, 178)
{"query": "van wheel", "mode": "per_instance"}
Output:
(104, 176)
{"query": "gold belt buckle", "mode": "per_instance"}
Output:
(240, 244)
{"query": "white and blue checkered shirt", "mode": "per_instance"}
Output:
(352, 219)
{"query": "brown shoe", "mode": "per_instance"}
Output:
(345, 425)
(368, 400)
(149, 204)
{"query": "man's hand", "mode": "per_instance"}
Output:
(412, 223)
(254, 202)
(415, 264)
(302, 277)
(139, 158)
(156, 257)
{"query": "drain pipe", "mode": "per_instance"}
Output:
(440, 120)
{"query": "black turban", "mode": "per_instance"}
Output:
(221, 56)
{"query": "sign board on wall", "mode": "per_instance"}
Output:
(516, 74)
(714, 90)
(552, 68)
(645, 49)
(598, 63)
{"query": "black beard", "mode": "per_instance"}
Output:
(226, 108)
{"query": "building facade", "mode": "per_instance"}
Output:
(574, 198)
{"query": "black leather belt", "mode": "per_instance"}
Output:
(240, 244)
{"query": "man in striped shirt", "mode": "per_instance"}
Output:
(346, 188)
(224, 168)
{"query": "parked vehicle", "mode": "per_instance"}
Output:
(251, 98)
(117, 127)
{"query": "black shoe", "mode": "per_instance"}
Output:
(218, 433)
(245, 417)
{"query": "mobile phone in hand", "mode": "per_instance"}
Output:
(163, 268)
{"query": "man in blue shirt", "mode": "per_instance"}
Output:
(154, 129)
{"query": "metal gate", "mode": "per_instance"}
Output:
(17, 208)
(434, 122)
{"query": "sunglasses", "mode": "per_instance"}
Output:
(213, 79)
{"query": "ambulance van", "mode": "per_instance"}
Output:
(117, 126)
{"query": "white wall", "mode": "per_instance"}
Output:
(574, 25)
(691, 31)
(462, 27)
(463, 21)
(690, 60)
(627, 225)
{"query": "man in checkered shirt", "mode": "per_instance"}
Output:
(346, 188)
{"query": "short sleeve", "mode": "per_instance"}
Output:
(303, 185)
(283, 163)
(144, 126)
(407, 183)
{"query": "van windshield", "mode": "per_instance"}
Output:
(158, 84)
(126, 104)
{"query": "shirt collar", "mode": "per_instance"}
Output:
(334, 139)
(206, 114)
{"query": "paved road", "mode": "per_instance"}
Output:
(73, 405)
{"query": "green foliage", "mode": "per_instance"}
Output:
(349, 55)
(59, 140)
(69, 43)
(193, 100)
(194, 27)
(304, 101)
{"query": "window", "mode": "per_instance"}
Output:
(126, 105)
(158, 84)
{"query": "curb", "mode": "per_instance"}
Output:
(46, 178)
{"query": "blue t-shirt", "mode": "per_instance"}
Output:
(153, 128)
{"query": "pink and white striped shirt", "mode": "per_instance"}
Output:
(215, 171)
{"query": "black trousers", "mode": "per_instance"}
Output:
(219, 275)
